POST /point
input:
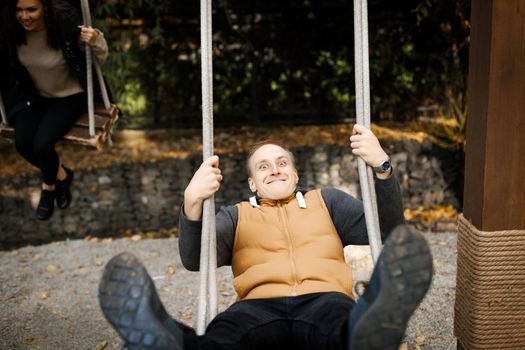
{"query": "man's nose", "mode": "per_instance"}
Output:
(275, 169)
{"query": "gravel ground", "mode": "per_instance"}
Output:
(49, 299)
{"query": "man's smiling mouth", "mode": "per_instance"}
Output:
(276, 180)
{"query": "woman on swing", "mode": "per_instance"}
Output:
(44, 86)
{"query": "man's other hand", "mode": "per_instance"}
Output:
(205, 182)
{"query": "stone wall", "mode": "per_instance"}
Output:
(147, 196)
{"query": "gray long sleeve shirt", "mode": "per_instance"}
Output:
(347, 214)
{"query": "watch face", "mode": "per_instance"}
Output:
(385, 166)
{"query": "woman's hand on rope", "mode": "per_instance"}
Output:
(366, 145)
(205, 182)
(88, 35)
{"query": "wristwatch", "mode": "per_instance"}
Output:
(384, 167)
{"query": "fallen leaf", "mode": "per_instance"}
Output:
(29, 341)
(101, 345)
(52, 268)
(420, 340)
(185, 316)
(44, 295)
(171, 270)
(59, 314)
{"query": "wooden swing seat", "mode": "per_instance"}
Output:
(104, 121)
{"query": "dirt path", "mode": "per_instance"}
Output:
(48, 294)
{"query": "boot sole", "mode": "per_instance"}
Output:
(405, 276)
(130, 303)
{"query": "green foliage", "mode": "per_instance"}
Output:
(420, 51)
(279, 58)
(133, 102)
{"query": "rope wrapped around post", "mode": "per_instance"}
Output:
(362, 92)
(2, 111)
(208, 257)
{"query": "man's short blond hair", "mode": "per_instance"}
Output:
(258, 145)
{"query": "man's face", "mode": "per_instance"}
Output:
(273, 174)
(30, 14)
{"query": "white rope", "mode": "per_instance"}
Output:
(86, 16)
(103, 90)
(208, 258)
(2, 111)
(362, 91)
(212, 280)
(375, 242)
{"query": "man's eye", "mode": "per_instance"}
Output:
(282, 163)
(263, 166)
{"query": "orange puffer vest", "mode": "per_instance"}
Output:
(283, 250)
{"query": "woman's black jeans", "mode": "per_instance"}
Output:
(41, 125)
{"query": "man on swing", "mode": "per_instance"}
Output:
(285, 246)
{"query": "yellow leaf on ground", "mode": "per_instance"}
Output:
(420, 340)
(52, 268)
(29, 341)
(102, 345)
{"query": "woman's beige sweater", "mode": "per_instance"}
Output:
(48, 68)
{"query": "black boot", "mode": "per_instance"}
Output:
(399, 282)
(131, 304)
(46, 205)
(62, 192)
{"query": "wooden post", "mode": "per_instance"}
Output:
(490, 288)
(494, 197)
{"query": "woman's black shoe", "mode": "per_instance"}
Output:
(45, 205)
(62, 192)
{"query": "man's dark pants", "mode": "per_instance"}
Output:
(310, 321)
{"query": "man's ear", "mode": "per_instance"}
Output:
(296, 177)
(252, 185)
